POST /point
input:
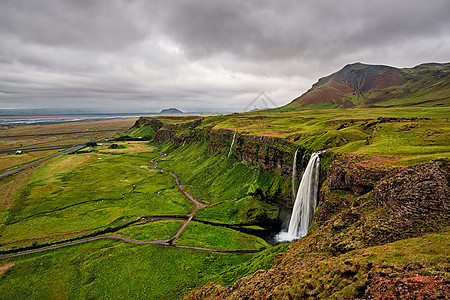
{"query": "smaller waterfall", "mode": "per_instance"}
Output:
(232, 143)
(294, 174)
(305, 202)
(303, 159)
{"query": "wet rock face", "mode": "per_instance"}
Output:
(415, 193)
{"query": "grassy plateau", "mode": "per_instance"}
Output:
(115, 189)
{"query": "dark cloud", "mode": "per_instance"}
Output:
(95, 25)
(266, 30)
(201, 53)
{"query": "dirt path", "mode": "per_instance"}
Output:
(198, 205)
(167, 242)
(127, 240)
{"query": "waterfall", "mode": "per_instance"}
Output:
(305, 202)
(294, 174)
(232, 143)
(303, 159)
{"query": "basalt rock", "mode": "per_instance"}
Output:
(415, 192)
(272, 153)
(352, 174)
(405, 202)
(398, 203)
(416, 197)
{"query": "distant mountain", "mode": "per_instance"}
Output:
(361, 85)
(171, 111)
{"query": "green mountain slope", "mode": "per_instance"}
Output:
(361, 85)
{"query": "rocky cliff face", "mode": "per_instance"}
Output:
(363, 204)
(272, 153)
(401, 202)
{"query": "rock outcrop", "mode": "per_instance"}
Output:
(363, 204)
(272, 153)
(352, 173)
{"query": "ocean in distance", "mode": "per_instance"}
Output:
(26, 120)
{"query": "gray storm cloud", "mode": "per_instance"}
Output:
(204, 54)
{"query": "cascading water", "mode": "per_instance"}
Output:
(305, 202)
(294, 174)
(232, 143)
(303, 159)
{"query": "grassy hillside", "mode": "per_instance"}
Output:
(361, 85)
(82, 194)
(233, 189)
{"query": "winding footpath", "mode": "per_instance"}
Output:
(198, 205)
(167, 242)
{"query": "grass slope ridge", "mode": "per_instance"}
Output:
(362, 85)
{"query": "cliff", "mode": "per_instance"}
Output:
(373, 223)
(272, 153)
(351, 250)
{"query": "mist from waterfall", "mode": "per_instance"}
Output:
(232, 143)
(305, 202)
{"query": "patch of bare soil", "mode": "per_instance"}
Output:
(406, 286)
(5, 267)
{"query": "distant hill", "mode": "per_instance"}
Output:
(171, 111)
(361, 85)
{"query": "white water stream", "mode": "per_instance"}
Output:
(305, 202)
(294, 174)
(232, 143)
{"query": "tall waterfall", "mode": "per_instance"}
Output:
(305, 202)
(232, 143)
(294, 174)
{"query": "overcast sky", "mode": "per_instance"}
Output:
(126, 55)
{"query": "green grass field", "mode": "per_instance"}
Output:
(215, 237)
(419, 134)
(113, 270)
(80, 194)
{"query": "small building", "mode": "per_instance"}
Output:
(18, 152)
